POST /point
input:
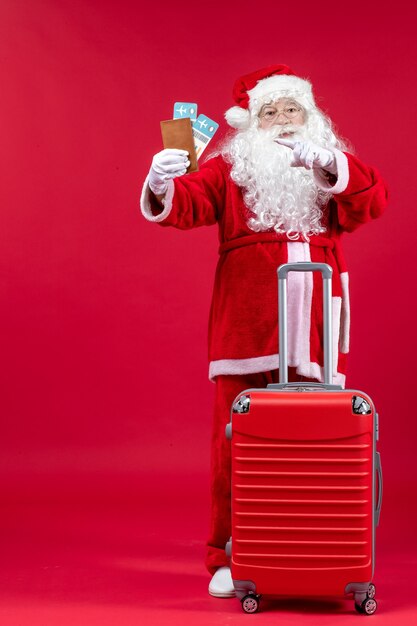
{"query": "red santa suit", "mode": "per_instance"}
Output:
(243, 333)
(243, 339)
(243, 319)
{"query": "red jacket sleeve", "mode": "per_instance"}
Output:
(194, 199)
(364, 198)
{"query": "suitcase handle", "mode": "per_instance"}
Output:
(378, 469)
(326, 272)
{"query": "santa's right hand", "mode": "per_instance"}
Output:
(167, 164)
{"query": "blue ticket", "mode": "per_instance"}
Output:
(203, 131)
(185, 109)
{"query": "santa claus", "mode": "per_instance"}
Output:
(282, 188)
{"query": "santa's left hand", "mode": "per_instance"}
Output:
(307, 154)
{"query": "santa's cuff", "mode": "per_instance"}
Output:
(151, 208)
(341, 183)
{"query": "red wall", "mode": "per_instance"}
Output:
(103, 316)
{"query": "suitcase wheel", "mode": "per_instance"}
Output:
(368, 606)
(250, 603)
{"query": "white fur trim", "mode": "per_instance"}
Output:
(281, 86)
(300, 294)
(238, 118)
(243, 366)
(268, 363)
(300, 297)
(342, 175)
(146, 206)
(313, 370)
(336, 313)
(345, 314)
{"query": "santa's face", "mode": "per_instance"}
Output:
(279, 197)
(283, 112)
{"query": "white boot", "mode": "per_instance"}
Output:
(221, 585)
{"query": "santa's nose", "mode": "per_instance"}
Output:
(282, 120)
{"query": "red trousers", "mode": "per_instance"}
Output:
(227, 388)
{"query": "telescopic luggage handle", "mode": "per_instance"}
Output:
(326, 272)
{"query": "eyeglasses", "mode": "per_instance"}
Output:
(270, 113)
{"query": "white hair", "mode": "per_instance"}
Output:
(280, 197)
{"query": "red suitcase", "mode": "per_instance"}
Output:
(305, 477)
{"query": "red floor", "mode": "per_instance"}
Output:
(90, 557)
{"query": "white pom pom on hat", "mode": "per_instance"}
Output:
(237, 117)
(250, 92)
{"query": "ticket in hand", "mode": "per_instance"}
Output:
(203, 131)
(185, 109)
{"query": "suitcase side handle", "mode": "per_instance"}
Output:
(378, 469)
(326, 272)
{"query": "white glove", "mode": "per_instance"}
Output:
(167, 164)
(308, 155)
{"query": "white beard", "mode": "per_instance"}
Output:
(281, 198)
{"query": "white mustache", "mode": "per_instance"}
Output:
(277, 131)
(288, 128)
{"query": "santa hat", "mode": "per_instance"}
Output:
(254, 90)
